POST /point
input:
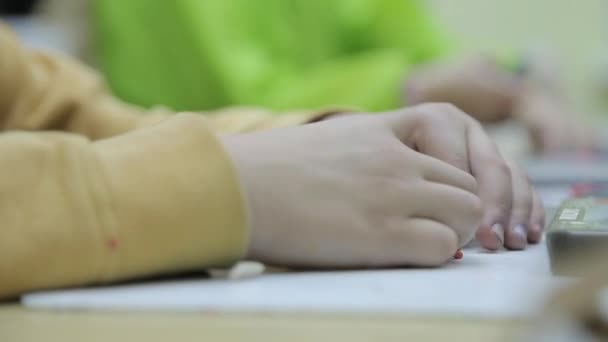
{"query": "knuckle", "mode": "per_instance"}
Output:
(436, 111)
(442, 113)
(458, 159)
(469, 203)
(451, 111)
(426, 118)
(445, 107)
(498, 165)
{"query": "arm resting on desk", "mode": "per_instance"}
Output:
(160, 199)
(156, 193)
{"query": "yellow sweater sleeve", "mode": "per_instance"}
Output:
(157, 200)
(249, 119)
(115, 192)
(76, 210)
(45, 91)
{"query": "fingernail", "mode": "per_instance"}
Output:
(520, 233)
(536, 228)
(499, 232)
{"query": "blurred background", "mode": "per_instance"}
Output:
(574, 33)
(569, 38)
(566, 40)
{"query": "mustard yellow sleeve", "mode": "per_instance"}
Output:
(160, 199)
(44, 91)
(249, 119)
(116, 192)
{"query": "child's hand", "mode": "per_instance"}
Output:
(371, 190)
(482, 88)
(478, 85)
(513, 213)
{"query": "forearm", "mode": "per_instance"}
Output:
(162, 199)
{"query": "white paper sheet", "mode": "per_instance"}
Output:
(503, 284)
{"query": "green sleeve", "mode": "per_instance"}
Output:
(407, 26)
(368, 81)
(146, 56)
(270, 56)
(193, 54)
(381, 41)
(366, 48)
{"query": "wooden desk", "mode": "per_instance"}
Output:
(20, 325)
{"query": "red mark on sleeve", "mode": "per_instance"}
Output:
(112, 243)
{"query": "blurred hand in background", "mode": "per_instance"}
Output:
(483, 88)
(312, 54)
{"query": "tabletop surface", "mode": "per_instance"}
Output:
(18, 323)
(505, 284)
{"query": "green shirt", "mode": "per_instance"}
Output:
(280, 54)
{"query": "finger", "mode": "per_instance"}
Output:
(442, 135)
(418, 242)
(516, 236)
(537, 219)
(437, 171)
(495, 187)
(456, 208)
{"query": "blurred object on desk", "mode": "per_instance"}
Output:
(580, 224)
(579, 311)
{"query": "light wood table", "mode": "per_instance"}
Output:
(18, 324)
